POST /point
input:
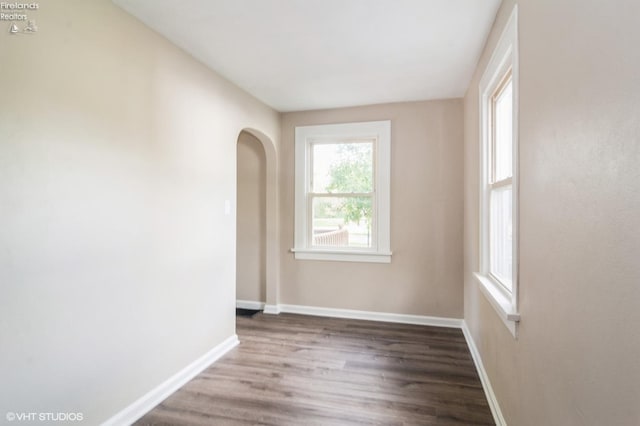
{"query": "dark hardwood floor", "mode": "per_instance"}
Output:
(303, 370)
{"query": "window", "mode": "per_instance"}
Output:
(498, 274)
(500, 184)
(342, 192)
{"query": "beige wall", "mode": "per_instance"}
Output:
(576, 358)
(425, 274)
(251, 220)
(115, 152)
(117, 264)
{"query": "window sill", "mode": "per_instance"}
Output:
(501, 302)
(342, 255)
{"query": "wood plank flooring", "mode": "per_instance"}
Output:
(303, 370)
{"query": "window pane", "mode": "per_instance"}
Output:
(501, 235)
(341, 222)
(503, 108)
(342, 167)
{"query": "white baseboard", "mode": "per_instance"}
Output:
(250, 304)
(370, 316)
(154, 397)
(272, 309)
(484, 378)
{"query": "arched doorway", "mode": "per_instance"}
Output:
(256, 222)
(251, 215)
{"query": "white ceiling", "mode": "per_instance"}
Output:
(311, 54)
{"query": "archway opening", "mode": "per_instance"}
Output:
(251, 223)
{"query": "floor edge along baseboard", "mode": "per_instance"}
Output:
(371, 316)
(484, 377)
(155, 396)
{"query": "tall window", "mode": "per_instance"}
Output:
(498, 274)
(342, 192)
(500, 184)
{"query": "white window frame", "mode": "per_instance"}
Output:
(503, 60)
(380, 132)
